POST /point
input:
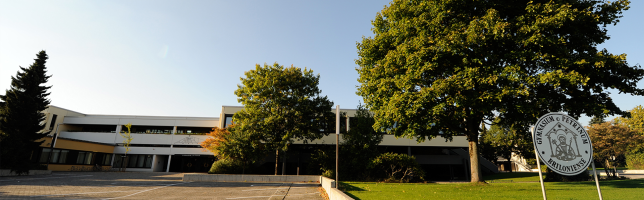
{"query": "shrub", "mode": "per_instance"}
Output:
(552, 176)
(394, 167)
(226, 166)
(635, 159)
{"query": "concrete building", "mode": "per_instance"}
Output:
(171, 144)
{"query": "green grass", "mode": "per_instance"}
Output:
(514, 177)
(615, 189)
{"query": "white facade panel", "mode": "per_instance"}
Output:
(107, 138)
(148, 122)
(90, 120)
(188, 139)
(197, 123)
(147, 138)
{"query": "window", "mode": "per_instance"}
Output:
(133, 161)
(53, 121)
(45, 155)
(229, 120)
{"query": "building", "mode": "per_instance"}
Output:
(171, 144)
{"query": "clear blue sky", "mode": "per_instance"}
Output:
(184, 58)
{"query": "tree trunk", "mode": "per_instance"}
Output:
(277, 153)
(475, 171)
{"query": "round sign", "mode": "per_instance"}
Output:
(562, 144)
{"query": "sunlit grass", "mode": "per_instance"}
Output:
(616, 189)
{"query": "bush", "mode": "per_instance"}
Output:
(227, 166)
(635, 159)
(394, 167)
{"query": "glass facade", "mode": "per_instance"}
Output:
(74, 157)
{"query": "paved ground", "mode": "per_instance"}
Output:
(141, 185)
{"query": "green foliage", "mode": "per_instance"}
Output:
(611, 139)
(442, 67)
(282, 105)
(635, 159)
(232, 144)
(127, 137)
(227, 166)
(359, 146)
(597, 120)
(502, 140)
(634, 119)
(393, 167)
(21, 116)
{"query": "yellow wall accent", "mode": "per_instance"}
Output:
(78, 145)
(59, 167)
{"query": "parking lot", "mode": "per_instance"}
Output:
(142, 185)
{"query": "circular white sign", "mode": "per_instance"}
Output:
(562, 144)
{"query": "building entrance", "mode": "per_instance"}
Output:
(191, 163)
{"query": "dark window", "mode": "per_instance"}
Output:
(229, 120)
(53, 121)
(133, 161)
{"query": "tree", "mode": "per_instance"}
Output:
(611, 140)
(507, 139)
(359, 145)
(231, 143)
(441, 68)
(597, 120)
(21, 117)
(635, 120)
(127, 139)
(282, 105)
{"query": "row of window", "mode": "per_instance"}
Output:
(133, 161)
(64, 156)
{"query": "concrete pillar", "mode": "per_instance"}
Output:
(118, 128)
(174, 130)
(169, 159)
(154, 162)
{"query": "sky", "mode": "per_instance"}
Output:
(185, 58)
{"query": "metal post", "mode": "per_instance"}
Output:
(53, 145)
(543, 188)
(337, 145)
(596, 180)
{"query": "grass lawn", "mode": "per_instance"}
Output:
(617, 189)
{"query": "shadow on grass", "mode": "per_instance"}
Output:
(348, 187)
(631, 183)
(511, 175)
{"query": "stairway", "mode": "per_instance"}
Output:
(487, 165)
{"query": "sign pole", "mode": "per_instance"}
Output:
(597, 180)
(337, 138)
(536, 153)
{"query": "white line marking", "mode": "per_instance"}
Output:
(253, 197)
(148, 190)
(80, 193)
(265, 189)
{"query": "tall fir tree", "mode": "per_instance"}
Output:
(21, 116)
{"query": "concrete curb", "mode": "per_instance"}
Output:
(327, 183)
(7, 172)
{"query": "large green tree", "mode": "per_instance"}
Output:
(444, 67)
(21, 116)
(282, 104)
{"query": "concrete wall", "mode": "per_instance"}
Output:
(249, 178)
(333, 193)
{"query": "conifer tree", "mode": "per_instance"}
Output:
(21, 116)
